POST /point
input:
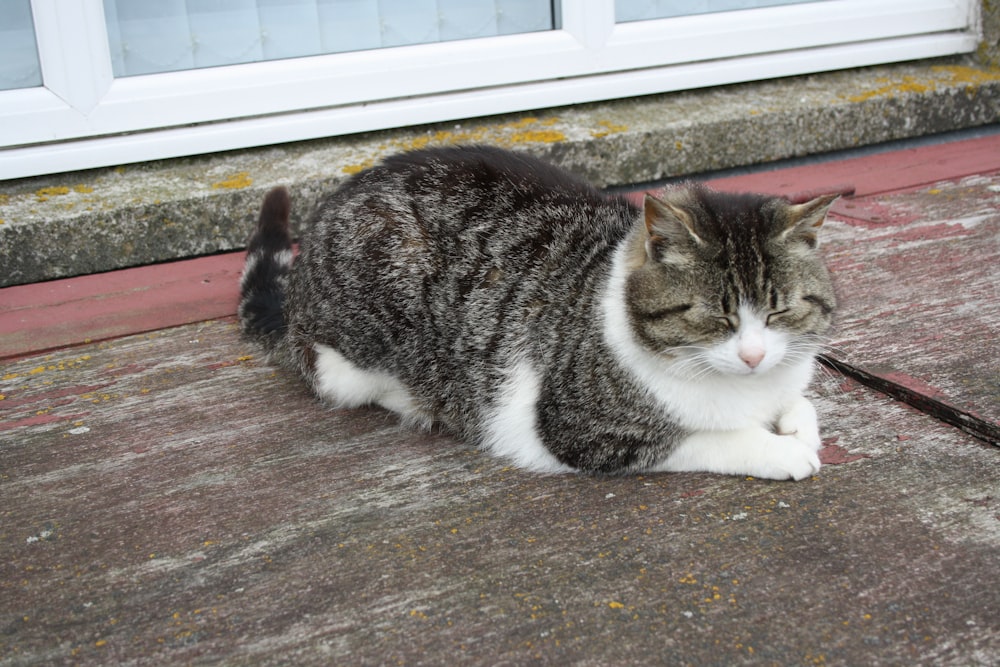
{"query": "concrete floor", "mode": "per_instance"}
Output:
(167, 498)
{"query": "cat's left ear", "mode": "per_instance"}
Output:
(804, 220)
(670, 218)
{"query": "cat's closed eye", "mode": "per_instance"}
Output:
(669, 311)
(775, 315)
(731, 322)
(825, 306)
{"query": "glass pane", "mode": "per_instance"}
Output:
(642, 10)
(149, 36)
(19, 66)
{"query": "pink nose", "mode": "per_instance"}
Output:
(752, 357)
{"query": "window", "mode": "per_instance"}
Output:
(103, 82)
(643, 10)
(154, 36)
(19, 66)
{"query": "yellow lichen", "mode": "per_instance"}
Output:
(943, 75)
(503, 134)
(83, 189)
(609, 128)
(521, 131)
(355, 168)
(538, 137)
(907, 84)
(970, 75)
(234, 182)
(45, 193)
(521, 123)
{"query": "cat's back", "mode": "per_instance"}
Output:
(455, 214)
(485, 168)
(447, 188)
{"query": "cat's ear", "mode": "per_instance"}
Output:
(804, 220)
(669, 224)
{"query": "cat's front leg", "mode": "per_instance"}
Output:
(753, 451)
(799, 420)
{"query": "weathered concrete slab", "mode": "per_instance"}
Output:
(167, 499)
(920, 294)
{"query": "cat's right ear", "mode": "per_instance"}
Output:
(804, 220)
(669, 227)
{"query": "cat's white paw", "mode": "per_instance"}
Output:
(755, 451)
(799, 421)
(787, 457)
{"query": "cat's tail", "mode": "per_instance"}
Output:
(265, 274)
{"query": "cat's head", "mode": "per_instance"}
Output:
(729, 283)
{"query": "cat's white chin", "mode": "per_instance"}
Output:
(723, 402)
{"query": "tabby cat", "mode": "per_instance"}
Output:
(555, 326)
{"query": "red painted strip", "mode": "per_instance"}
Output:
(44, 316)
(875, 174)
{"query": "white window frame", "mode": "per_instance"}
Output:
(84, 117)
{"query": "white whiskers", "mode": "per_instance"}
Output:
(692, 363)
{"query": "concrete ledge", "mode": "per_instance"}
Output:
(99, 220)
